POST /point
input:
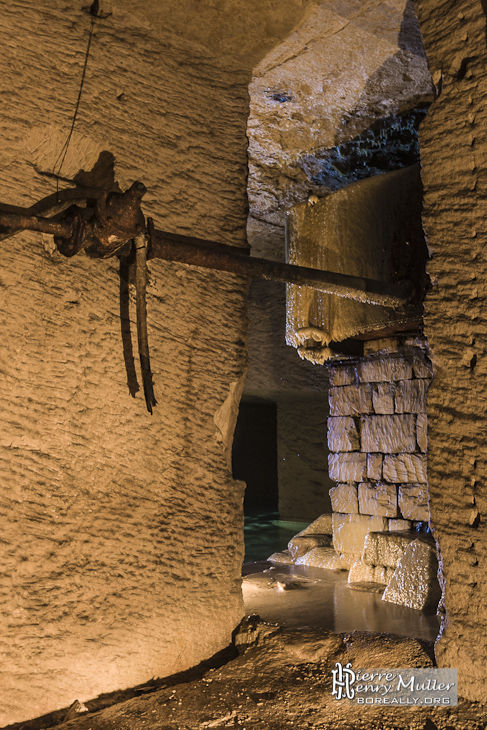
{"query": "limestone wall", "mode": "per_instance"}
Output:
(121, 539)
(302, 457)
(453, 143)
(378, 440)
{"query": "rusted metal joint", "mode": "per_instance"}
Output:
(101, 229)
(118, 219)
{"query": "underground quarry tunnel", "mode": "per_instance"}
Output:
(299, 259)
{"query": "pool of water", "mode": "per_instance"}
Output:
(265, 533)
(324, 599)
(299, 596)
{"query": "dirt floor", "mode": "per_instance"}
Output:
(271, 678)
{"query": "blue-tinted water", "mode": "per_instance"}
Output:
(265, 534)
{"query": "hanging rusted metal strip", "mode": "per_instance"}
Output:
(140, 243)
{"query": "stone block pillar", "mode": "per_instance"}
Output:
(377, 441)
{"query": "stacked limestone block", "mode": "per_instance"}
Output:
(377, 441)
(312, 547)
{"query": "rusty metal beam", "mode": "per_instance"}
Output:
(221, 257)
(21, 222)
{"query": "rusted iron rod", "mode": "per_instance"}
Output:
(222, 257)
(20, 222)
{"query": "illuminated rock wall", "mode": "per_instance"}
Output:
(453, 142)
(121, 540)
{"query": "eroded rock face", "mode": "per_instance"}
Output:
(343, 69)
(453, 154)
(120, 529)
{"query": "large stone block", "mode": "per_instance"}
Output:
(413, 502)
(344, 498)
(282, 558)
(302, 544)
(386, 548)
(350, 400)
(323, 525)
(410, 396)
(346, 375)
(422, 432)
(414, 583)
(378, 499)
(384, 369)
(349, 531)
(400, 525)
(405, 468)
(348, 467)
(361, 572)
(343, 434)
(383, 398)
(323, 557)
(374, 466)
(388, 434)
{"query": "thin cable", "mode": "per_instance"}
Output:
(63, 153)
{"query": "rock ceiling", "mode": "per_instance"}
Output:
(340, 98)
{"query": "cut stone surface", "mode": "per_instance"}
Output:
(386, 548)
(350, 400)
(343, 434)
(414, 583)
(374, 466)
(349, 531)
(421, 365)
(383, 398)
(386, 344)
(323, 557)
(413, 502)
(422, 432)
(344, 498)
(347, 467)
(405, 468)
(384, 370)
(399, 525)
(340, 230)
(410, 396)
(388, 434)
(342, 375)
(302, 544)
(361, 572)
(302, 457)
(377, 499)
(282, 558)
(323, 525)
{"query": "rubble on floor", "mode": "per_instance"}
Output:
(275, 679)
(399, 561)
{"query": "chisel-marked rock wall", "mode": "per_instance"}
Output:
(121, 539)
(453, 142)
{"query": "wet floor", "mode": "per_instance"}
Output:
(324, 599)
(317, 598)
